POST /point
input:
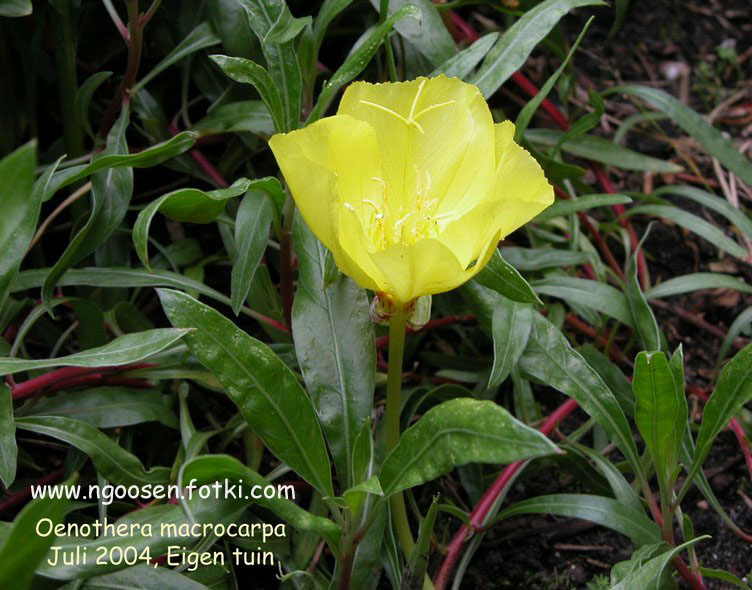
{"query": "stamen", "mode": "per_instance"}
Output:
(434, 106)
(415, 100)
(348, 206)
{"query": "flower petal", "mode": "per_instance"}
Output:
(326, 165)
(435, 139)
(520, 186)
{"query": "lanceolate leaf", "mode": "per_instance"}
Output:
(734, 389)
(503, 278)
(123, 350)
(20, 212)
(23, 548)
(693, 124)
(111, 191)
(516, 44)
(281, 59)
(357, 62)
(111, 460)
(252, 223)
(590, 293)
(642, 314)
(8, 447)
(660, 412)
(458, 432)
(334, 343)
(461, 64)
(603, 511)
(143, 577)
(649, 574)
(550, 358)
(267, 393)
(510, 325)
(696, 281)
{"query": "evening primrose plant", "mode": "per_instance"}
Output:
(314, 196)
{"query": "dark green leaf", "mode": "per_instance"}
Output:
(252, 223)
(599, 149)
(516, 44)
(143, 577)
(660, 412)
(199, 38)
(461, 64)
(334, 343)
(529, 259)
(111, 460)
(111, 191)
(695, 282)
(23, 548)
(642, 314)
(108, 407)
(693, 124)
(590, 293)
(649, 575)
(15, 8)
(510, 326)
(565, 207)
(598, 509)
(267, 393)
(123, 350)
(83, 98)
(458, 432)
(503, 278)
(8, 447)
(550, 358)
(246, 115)
(20, 212)
(417, 564)
(247, 72)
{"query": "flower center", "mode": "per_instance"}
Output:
(386, 227)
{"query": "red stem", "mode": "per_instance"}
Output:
(481, 510)
(18, 497)
(74, 377)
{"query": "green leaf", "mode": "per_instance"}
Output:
(733, 390)
(108, 407)
(550, 358)
(612, 376)
(694, 224)
(186, 204)
(23, 548)
(458, 432)
(529, 259)
(15, 8)
(417, 564)
(642, 314)
(259, 383)
(335, 347)
(599, 149)
(143, 577)
(281, 59)
(252, 223)
(648, 576)
(83, 98)
(527, 112)
(741, 323)
(358, 61)
(604, 511)
(660, 412)
(723, 575)
(111, 460)
(199, 38)
(503, 278)
(121, 277)
(516, 44)
(146, 158)
(8, 447)
(21, 211)
(593, 294)
(693, 124)
(286, 28)
(247, 72)
(510, 327)
(711, 201)
(245, 115)
(111, 192)
(123, 350)
(209, 468)
(696, 281)
(462, 63)
(566, 207)
(327, 13)
(427, 33)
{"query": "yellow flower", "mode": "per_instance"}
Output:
(411, 185)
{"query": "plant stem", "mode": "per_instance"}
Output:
(397, 327)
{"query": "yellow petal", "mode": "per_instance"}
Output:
(520, 186)
(327, 164)
(435, 140)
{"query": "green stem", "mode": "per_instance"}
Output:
(397, 325)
